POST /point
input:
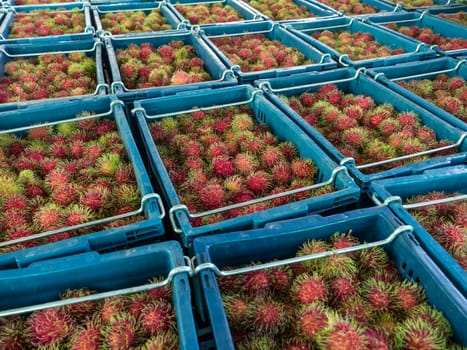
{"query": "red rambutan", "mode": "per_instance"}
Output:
(212, 196)
(267, 316)
(49, 327)
(309, 288)
(256, 282)
(223, 166)
(303, 168)
(258, 181)
(156, 318)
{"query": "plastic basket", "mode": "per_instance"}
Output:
(150, 227)
(277, 243)
(165, 9)
(146, 110)
(413, 51)
(430, 69)
(10, 17)
(245, 12)
(393, 192)
(92, 48)
(271, 31)
(40, 284)
(446, 12)
(355, 81)
(313, 8)
(220, 74)
(446, 29)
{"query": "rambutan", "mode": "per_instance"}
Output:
(86, 337)
(162, 341)
(433, 317)
(78, 310)
(408, 119)
(354, 111)
(288, 149)
(418, 334)
(341, 334)
(388, 126)
(271, 156)
(378, 294)
(365, 102)
(356, 136)
(156, 318)
(258, 181)
(339, 265)
(342, 289)
(13, 334)
(373, 259)
(108, 163)
(120, 333)
(180, 78)
(307, 99)
(312, 319)
(236, 307)
(48, 217)
(234, 184)
(65, 195)
(309, 288)
(95, 198)
(256, 282)
(281, 278)
(57, 178)
(242, 122)
(49, 327)
(212, 196)
(267, 316)
(303, 168)
(223, 166)
(407, 295)
(356, 308)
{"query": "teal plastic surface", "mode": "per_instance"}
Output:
(150, 228)
(218, 71)
(346, 190)
(352, 81)
(449, 180)
(272, 31)
(413, 51)
(83, 7)
(44, 281)
(429, 69)
(281, 240)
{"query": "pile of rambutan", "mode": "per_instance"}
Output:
(255, 52)
(48, 76)
(350, 8)
(144, 320)
(280, 10)
(175, 63)
(358, 45)
(428, 36)
(458, 17)
(448, 93)
(57, 177)
(446, 222)
(224, 156)
(206, 13)
(46, 22)
(362, 129)
(134, 22)
(352, 301)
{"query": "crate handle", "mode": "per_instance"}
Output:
(413, 155)
(41, 125)
(2, 49)
(163, 34)
(436, 201)
(299, 259)
(290, 27)
(182, 207)
(98, 296)
(449, 70)
(391, 199)
(266, 85)
(158, 6)
(138, 211)
(197, 109)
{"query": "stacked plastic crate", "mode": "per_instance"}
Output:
(310, 156)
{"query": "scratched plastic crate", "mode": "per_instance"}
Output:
(220, 75)
(360, 7)
(134, 18)
(392, 48)
(351, 81)
(445, 37)
(311, 59)
(278, 243)
(139, 215)
(73, 21)
(344, 189)
(293, 10)
(395, 193)
(121, 274)
(201, 13)
(47, 77)
(452, 109)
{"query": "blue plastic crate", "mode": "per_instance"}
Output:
(247, 13)
(40, 284)
(449, 180)
(150, 227)
(92, 48)
(272, 31)
(146, 110)
(446, 29)
(407, 6)
(10, 17)
(430, 69)
(355, 81)
(313, 8)
(448, 11)
(413, 51)
(379, 6)
(220, 74)
(165, 9)
(281, 240)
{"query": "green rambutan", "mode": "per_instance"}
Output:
(8, 187)
(356, 308)
(13, 334)
(309, 288)
(433, 317)
(121, 332)
(339, 265)
(163, 341)
(418, 334)
(111, 307)
(389, 126)
(237, 309)
(49, 327)
(256, 343)
(234, 184)
(258, 181)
